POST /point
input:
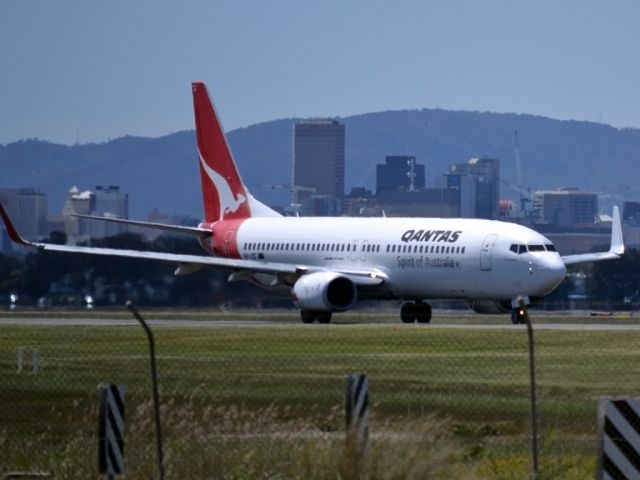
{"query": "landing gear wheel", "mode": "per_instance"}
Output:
(423, 312)
(307, 316)
(408, 312)
(324, 317)
(517, 316)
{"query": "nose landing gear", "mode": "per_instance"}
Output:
(518, 316)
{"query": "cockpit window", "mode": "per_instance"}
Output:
(536, 248)
(551, 247)
(519, 249)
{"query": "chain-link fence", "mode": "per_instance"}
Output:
(265, 399)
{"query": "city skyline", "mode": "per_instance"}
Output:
(87, 72)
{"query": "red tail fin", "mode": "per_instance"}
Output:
(224, 195)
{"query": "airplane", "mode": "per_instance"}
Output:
(327, 264)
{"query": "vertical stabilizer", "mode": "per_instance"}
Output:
(224, 195)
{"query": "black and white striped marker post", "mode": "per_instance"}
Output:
(111, 430)
(357, 413)
(619, 429)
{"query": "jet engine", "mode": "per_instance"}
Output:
(324, 292)
(490, 307)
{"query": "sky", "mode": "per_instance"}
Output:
(90, 71)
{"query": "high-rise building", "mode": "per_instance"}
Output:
(318, 159)
(81, 203)
(28, 207)
(109, 202)
(478, 182)
(106, 201)
(399, 173)
(631, 212)
(566, 207)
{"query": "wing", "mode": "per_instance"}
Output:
(615, 250)
(241, 269)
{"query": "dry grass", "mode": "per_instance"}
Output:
(221, 442)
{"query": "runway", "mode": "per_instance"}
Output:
(176, 323)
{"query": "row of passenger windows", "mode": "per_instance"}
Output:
(311, 247)
(520, 249)
(348, 247)
(425, 249)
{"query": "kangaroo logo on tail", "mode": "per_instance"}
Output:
(224, 195)
(228, 202)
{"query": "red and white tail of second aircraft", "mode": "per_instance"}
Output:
(327, 264)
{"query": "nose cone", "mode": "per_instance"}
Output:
(548, 271)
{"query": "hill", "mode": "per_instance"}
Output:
(162, 172)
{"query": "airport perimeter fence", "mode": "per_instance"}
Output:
(266, 399)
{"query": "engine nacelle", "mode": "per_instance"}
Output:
(324, 292)
(490, 307)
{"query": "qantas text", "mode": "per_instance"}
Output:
(431, 236)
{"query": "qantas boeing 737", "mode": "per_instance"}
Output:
(327, 264)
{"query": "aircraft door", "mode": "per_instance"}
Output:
(485, 251)
(353, 254)
(363, 250)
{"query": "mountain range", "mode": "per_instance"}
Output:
(162, 172)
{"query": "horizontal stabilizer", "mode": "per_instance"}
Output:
(197, 231)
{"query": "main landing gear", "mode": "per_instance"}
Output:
(310, 317)
(415, 312)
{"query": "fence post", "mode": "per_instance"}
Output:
(357, 423)
(35, 363)
(154, 382)
(111, 430)
(20, 359)
(532, 381)
(618, 433)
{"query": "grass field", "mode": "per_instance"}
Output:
(266, 400)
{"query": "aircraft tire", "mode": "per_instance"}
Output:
(423, 312)
(307, 316)
(324, 317)
(408, 312)
(517, 318)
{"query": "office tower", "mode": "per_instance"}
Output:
(318, 160)
(478, 182)
(566, 207)
(28, 207)
(399, 173)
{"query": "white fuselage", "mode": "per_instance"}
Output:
(420, 257)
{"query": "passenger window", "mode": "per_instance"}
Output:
(463, 249)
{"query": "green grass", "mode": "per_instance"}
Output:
(225, 389)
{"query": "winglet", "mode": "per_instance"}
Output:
(617, 245)
(11, 230)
